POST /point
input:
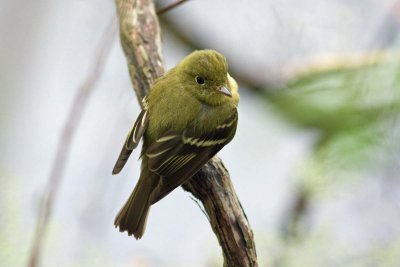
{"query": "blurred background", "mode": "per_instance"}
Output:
(315, 161)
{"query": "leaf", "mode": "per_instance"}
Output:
(352, 109)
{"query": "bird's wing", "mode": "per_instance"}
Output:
(178, 156)
(132, 140)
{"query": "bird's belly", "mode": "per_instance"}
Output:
(210, 117)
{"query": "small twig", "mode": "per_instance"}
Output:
(66, 138)
(170, 6)
(200, 206)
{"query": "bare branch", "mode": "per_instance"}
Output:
(64, 145)
(141, 41)
(213, 187)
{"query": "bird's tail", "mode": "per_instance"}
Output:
(133, 215)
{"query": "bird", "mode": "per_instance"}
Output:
(189, 114)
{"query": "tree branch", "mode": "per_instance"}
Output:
(254, 82)
(213, 187)
(141, 42)
(64, 144)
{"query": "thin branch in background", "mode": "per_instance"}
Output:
(253, 82)
(387, 31)
(66, 138)
(170, 6)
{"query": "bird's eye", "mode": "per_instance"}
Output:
(199, 80)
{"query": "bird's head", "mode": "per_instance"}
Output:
(205, 75)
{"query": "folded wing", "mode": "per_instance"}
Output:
(178, 156)
(132, 140)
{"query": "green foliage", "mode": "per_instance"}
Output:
(351, 108)
(321, 248)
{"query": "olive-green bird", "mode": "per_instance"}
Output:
(189, 114)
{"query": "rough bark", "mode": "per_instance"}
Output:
(141, 42)
(213, 187)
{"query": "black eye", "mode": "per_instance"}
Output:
(199, 80)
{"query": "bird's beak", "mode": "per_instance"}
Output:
(224, 90)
